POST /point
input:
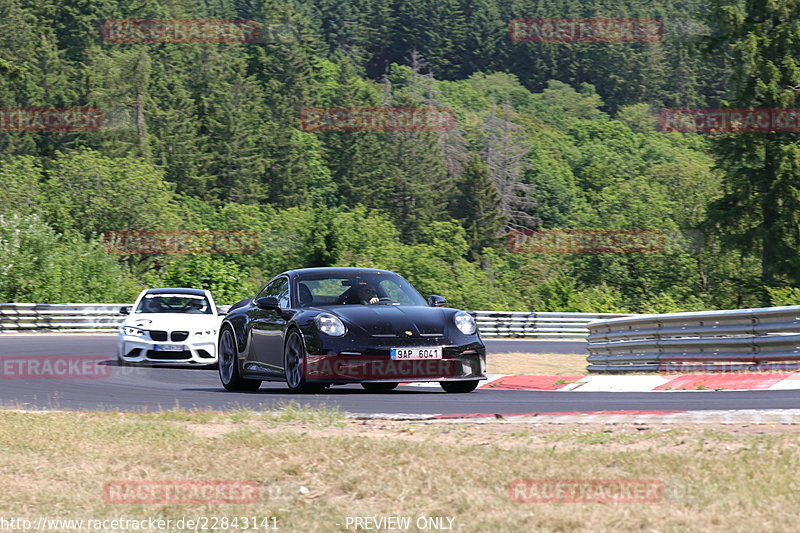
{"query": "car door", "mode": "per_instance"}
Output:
(267, 325)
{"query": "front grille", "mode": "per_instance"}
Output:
(173, 356)
(158, 335)
(403, 335)
(204, 354)
(179, 335)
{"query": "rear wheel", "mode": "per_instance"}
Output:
(459, 386)
(379, 387)
(229, 366)
(294, 366)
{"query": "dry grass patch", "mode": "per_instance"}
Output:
(542, 364)
(316, 468)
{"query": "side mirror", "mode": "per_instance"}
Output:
(268, 303)
(125, 310)
(436, 301)
(222, 310)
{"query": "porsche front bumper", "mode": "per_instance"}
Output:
(374, 364)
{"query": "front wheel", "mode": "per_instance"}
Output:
(294, 366)
(229, 366)
(459, 386)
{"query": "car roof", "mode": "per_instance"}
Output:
(178, 290)
(337, 271)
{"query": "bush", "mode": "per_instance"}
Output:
(225, 280)
(783, 296)
(39, 265)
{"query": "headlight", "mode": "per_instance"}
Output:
(465, 323)
(206, 333)
(133, 332)
(329, 325)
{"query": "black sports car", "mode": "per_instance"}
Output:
(317, 327)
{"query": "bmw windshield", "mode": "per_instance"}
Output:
(174, 303)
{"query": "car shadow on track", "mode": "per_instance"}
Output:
(114, 362)
(328, 392)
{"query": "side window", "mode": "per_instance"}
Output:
(282, 293)
(279, 289)
(263, 292)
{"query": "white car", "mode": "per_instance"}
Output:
(170, 326)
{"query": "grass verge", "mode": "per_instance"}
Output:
(315, 469)
(538, 364)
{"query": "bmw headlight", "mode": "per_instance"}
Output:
(133, 332)
(465, 323)
(329, 325)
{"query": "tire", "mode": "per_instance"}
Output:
(459, 386)
(229, 365)
(294, 366)
(379, 387)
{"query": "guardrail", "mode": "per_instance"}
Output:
(24, 317)
(65, 318)
(736, 340)
(537, 325)
(31, 317)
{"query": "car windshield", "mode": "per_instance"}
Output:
(361, 289)
(174, 303)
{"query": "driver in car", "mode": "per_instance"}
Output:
(367, 294)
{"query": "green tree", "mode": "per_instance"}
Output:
(92, 193)
(479, 206)
(20, 179)
(222, 277)
(120, 87)
(485, 37)
(436, 29)
(39, 265)
(759, 210)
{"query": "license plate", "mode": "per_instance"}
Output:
(416, 353)
(168, 347)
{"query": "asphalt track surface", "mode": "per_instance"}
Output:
(149, 389)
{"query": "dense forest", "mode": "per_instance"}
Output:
(548, 135)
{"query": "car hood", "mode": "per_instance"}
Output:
(394, 319)
(173, 321)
